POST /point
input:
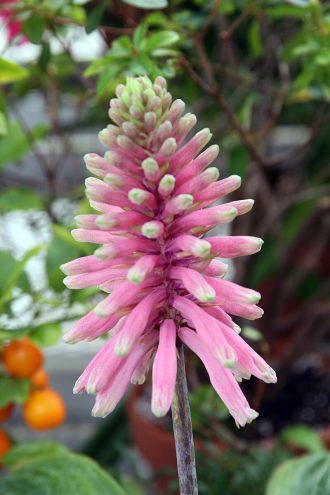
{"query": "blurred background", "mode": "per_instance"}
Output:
(257, 73)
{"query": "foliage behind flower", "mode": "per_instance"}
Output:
(164, 282)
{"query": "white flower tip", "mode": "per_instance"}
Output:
(201, 249)
(152, 230)
(113, 180)
(166, 184)
(64, 268)
(184, 201)
(269, 376)
(135, 276)
(137, 196)
(228, 215)
(105, 221)
(138, 380)
(67, 283)
(122, 348)
(254, 298)
(237, 328)
(205, 296)
(237, 179)
(169, 146)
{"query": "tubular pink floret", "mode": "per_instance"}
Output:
(164, 369)
(153, 194)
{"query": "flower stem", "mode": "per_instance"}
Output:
(184, 442)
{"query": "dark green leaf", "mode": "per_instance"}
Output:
(95, 17)
(11, 72)
(61, 249)
(238, 161)
(33, 28)
(44, 57)
(13, 390)
(255, 39)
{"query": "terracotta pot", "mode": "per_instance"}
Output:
(154, 443)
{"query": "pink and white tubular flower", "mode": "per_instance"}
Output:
(163, 283)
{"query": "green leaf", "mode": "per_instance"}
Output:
(58, 473)
(307, 475)
(3, 124)
(44, 57)
(11, 273)
(31, 451)
(47, 334)
(255, 39)
(18, 198)
(11, 72)
(13, 390)
(238, 161)
(33, 28)
(15, 143)
(303, 437)
(60, 250)
(147, 4)
(139, 35)
(95, 17)
(160, 39)
(75, 13)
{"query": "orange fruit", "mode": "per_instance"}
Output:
(5, 412)
(40, 378)
(5, 442)
(21, 358)
(44, 409)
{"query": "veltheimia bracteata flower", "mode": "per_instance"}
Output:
(163, 282)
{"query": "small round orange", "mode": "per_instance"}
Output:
(21, 358)
(40, 378)
(5, 442)
(44, 409)
(6, 412)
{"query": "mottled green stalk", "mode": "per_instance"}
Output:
(184, 442)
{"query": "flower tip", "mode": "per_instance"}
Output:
(158, 411)
(137, 196)
(135, 276)
(237, 328)
(122, 349)
(64, 269)
(152, 230)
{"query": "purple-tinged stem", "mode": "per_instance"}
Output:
(184, 441)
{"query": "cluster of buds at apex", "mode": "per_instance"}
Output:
(153, 193)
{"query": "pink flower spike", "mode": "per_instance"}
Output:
(152, 202)
(164, 369)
